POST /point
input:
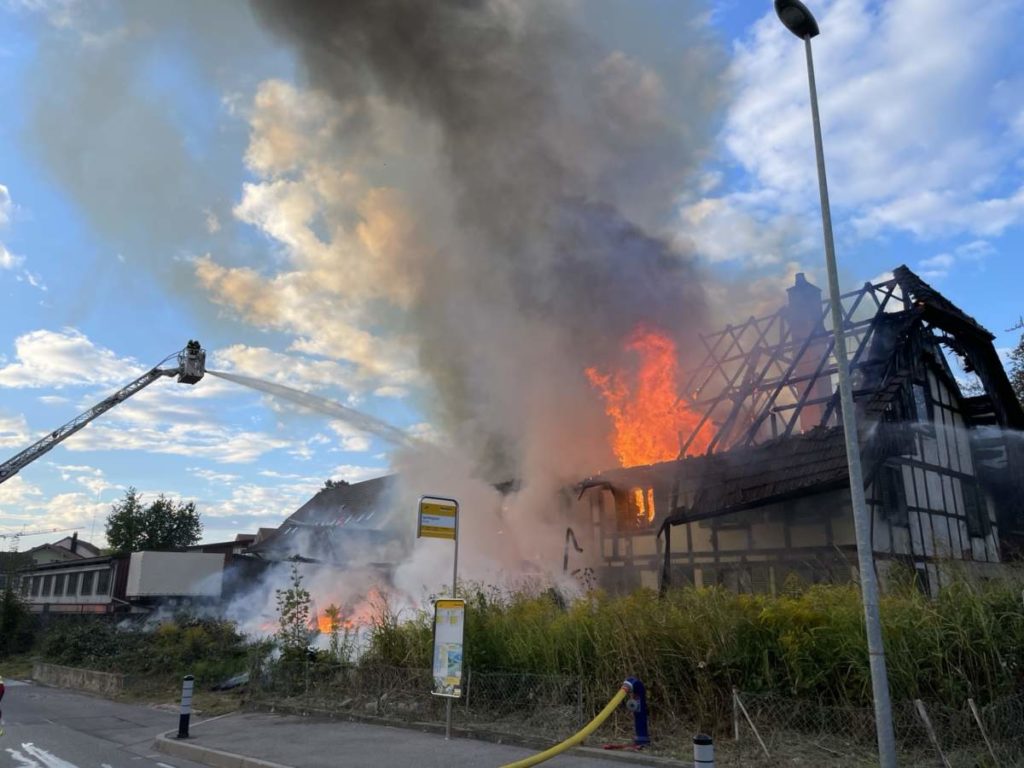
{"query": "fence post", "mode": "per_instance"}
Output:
(750, 722)
(981, 727)
(186, 706)
(703, 751)
(923, 714)
(735, 715)
(579, 701)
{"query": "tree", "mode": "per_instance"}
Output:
(164, 524)
(329, 484)
(16, 621)
(293, 607)
(1017, 366)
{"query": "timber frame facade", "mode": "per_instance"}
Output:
(769, 500)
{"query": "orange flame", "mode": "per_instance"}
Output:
(359, 615)
(648, 416)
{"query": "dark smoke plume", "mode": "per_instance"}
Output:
(561, 158)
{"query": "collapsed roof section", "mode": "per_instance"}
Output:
(768, 390)
(341, 525)
(775, 376)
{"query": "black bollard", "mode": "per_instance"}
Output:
(186, 706)
(703, 751)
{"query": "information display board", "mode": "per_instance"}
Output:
(437, 518)
(449, 622)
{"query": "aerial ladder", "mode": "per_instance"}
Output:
(190, 369)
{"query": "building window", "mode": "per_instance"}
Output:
(47, 584)
(975, 510)
(25, 583)
(636, 510)
(921, 404)
(72, 588)
(58, 584)
(893, 495)
(87, 578)
(36, 583)
(103, 582)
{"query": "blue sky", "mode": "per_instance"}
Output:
(163, 175)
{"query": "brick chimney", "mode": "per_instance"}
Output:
(804, 314)
(74, 543)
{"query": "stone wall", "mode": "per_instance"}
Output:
(105, 683)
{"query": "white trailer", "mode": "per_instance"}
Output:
(175, 574)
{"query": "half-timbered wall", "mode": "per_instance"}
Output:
(927, 506)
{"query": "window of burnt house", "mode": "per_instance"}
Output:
(892, 495)
(922, 404)
(635, 509)
(975, 510)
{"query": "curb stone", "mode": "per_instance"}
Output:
(477, 734)
(216, 758)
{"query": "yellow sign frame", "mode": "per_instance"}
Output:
(437, 519)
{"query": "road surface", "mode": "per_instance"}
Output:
(55, 728)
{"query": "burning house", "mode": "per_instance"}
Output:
(759, 489)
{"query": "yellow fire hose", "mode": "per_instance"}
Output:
(580, 735)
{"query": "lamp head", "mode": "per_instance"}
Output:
(797, 18)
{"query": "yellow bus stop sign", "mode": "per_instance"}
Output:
(437, 518)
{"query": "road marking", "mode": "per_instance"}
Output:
(46, 759)
(23, 761)
(164, 765)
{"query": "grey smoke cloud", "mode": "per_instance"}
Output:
(559, 155)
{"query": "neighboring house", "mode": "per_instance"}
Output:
(348, 524)
(86, 585)
(136, 583)
(771, 497)
(68, 548)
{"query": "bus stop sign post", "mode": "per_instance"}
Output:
(439, 519)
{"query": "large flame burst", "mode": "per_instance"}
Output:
(649, 417)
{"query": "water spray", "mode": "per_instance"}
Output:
(361, 421)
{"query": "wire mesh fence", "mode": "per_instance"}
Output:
(775, 730)
(541, 706)
(766, 729)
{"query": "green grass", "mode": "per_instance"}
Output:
(692, 646)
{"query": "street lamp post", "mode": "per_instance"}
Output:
(800, 21)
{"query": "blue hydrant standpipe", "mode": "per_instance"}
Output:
(637, 704)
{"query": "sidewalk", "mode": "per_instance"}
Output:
(261, 740)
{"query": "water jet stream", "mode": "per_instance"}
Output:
(361, 421)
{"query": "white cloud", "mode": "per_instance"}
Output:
(13, 431)
(939, 266)
(8, 260)
(356, 474)
(91, 478)
(292, 370)
(198, 440)
(936, 266)
(6, 206)
(224, 478)
(64, 358)
(351, 438)
(919, 125)
(16, 492)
